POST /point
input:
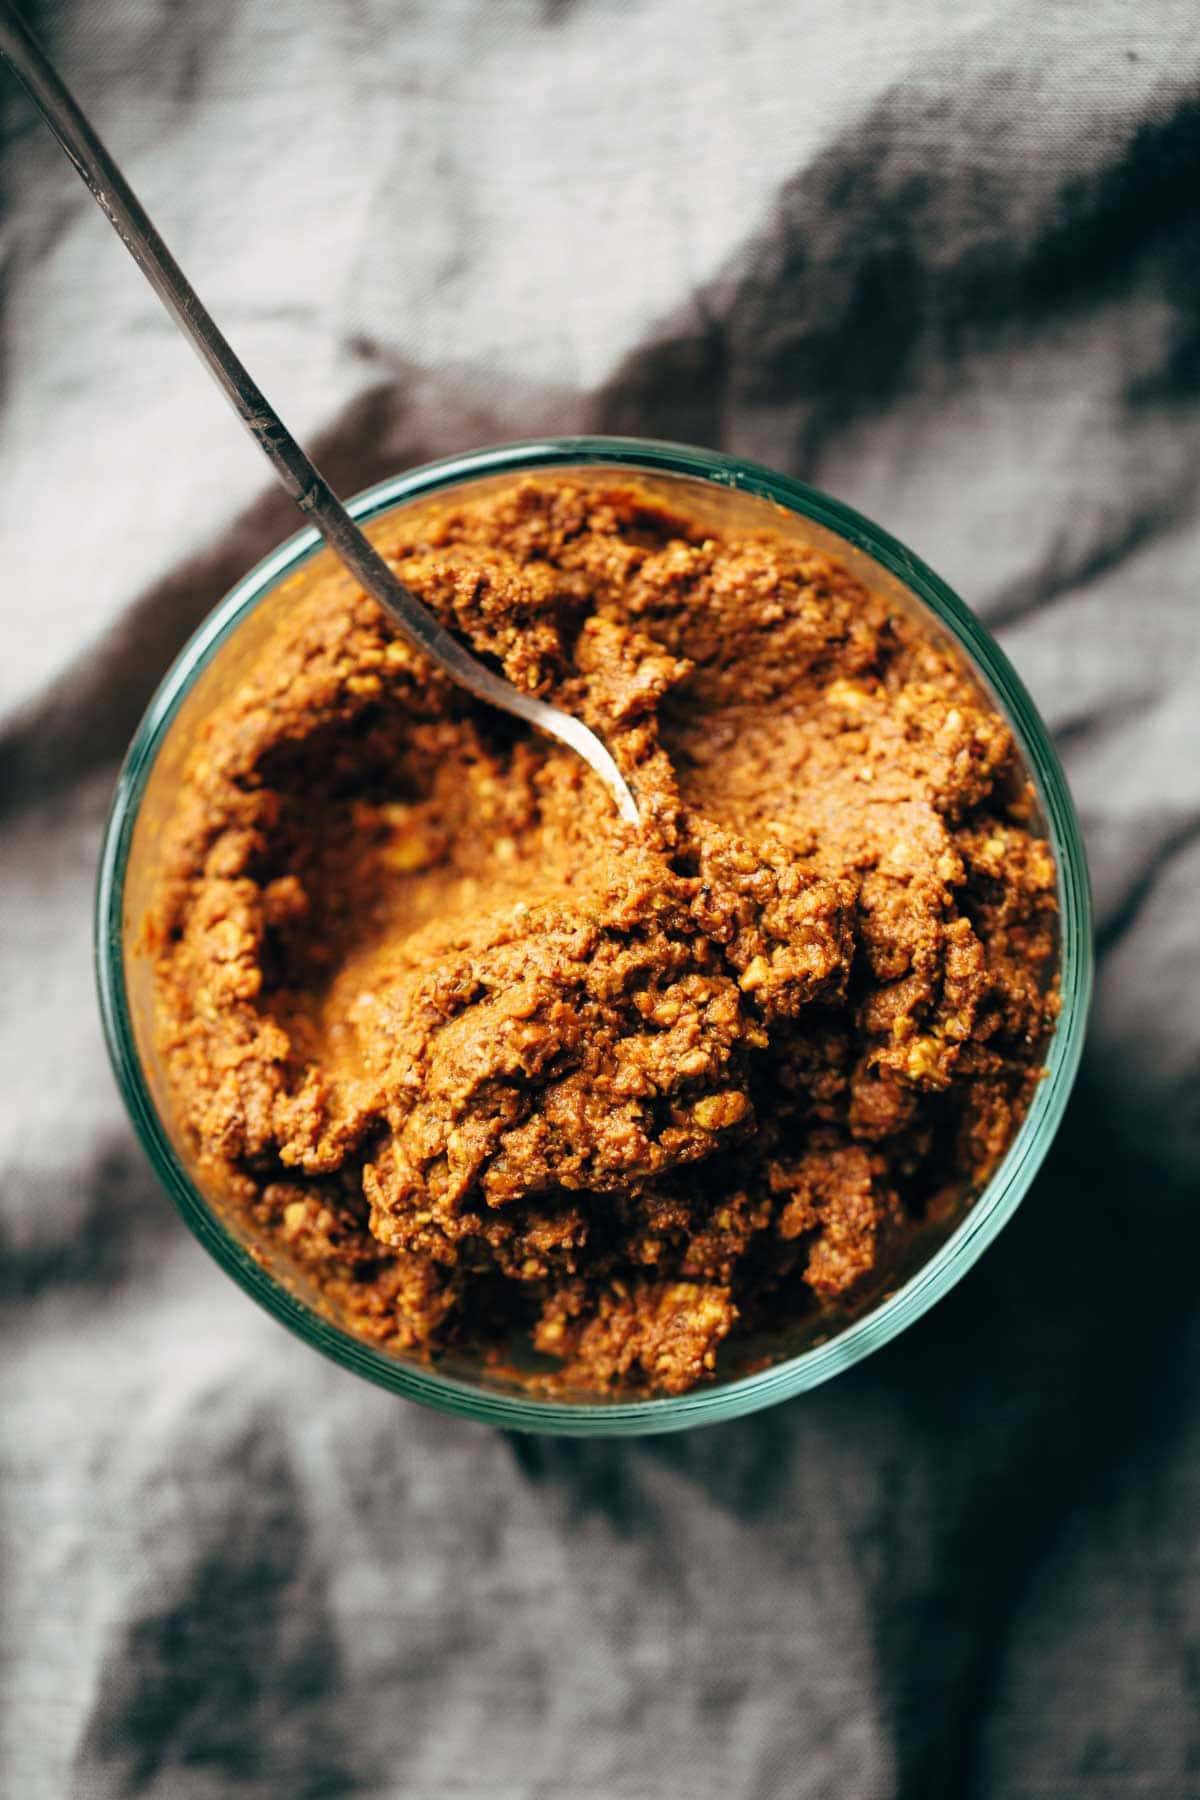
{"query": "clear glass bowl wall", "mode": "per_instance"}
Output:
(730, 493)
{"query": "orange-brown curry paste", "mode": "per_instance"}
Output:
(495, 1068)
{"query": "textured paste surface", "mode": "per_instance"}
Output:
(493, 1067)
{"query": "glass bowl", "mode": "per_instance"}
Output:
(726, 488)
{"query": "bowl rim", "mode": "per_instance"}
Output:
(991, 1210)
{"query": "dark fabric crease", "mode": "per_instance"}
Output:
(1069, 570)
(1087, 724)
(1120, 919)
(112, 1237)
(227, 1657)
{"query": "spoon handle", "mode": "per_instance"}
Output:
(299, 475)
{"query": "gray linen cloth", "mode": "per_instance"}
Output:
(939, 257)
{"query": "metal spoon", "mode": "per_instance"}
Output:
(308, 488)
